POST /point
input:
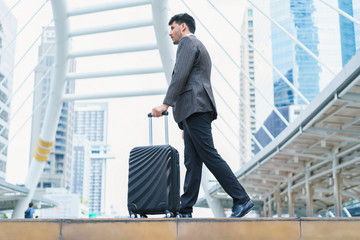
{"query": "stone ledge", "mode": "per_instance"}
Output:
(180, 229)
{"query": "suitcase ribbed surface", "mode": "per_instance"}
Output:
(151, 181)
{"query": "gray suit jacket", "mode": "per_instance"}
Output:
(190, 87)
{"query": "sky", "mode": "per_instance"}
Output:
(127, 122)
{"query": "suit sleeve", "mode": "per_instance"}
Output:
(185, 57)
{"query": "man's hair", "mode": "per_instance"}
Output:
(31, 204)
(184, 18)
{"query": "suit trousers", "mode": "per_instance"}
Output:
(199, 149)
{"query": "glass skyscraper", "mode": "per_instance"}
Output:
(331, 37)
(347, 31)
(356, 12)
(302, 70)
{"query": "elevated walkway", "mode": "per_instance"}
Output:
(181, 229)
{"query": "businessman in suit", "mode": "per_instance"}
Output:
(190, 94)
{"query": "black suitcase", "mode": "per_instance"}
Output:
(154, 178)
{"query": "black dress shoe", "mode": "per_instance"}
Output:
(240, 210)
(185, 215)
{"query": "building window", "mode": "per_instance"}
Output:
(250, 12)
(4, 115)
(3, 97)
(250, 23)
(49, 61)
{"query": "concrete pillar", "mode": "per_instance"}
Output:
(278, 202)
(337, 185)
(290, 201)
(309, 192)
(270, 212)
(309, 200)
(264, 208)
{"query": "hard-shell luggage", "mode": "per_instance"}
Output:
(154, 178)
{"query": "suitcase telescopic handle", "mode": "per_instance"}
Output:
(165, 114)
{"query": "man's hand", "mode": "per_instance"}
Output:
(157, 111)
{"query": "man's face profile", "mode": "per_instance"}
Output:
(175, 32)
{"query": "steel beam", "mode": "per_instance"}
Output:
(54, 105)
(106, 7)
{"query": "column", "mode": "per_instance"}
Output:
(309, 192)
(290, 201)
(264, 208)
(270, 212)
(277, 199)
(337, 185)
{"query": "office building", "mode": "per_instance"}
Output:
(99, 156)
(347, 31)
(91, 121)
(247, 108)
(330, 36)
(81, 167)
(91, 125)
(8, 26)
(356, 12)
(57, 170)
(298, 18)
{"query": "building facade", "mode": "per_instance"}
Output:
(91, 121)
(81, 167)
(356, 12)
(347, 31)
(247, 108)
(330, 36)
(98, 157)
(57, 170)
(91, 125)
(302, 70)
(8, 26)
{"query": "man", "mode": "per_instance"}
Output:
(30, 212)
(190, 94)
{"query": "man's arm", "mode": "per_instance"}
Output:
(185, 57)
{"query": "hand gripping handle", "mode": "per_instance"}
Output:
(165, 114)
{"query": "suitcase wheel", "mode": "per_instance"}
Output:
(169, 214)
(143, 216)
(132, 215)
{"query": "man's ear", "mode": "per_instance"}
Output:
(183, 27)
